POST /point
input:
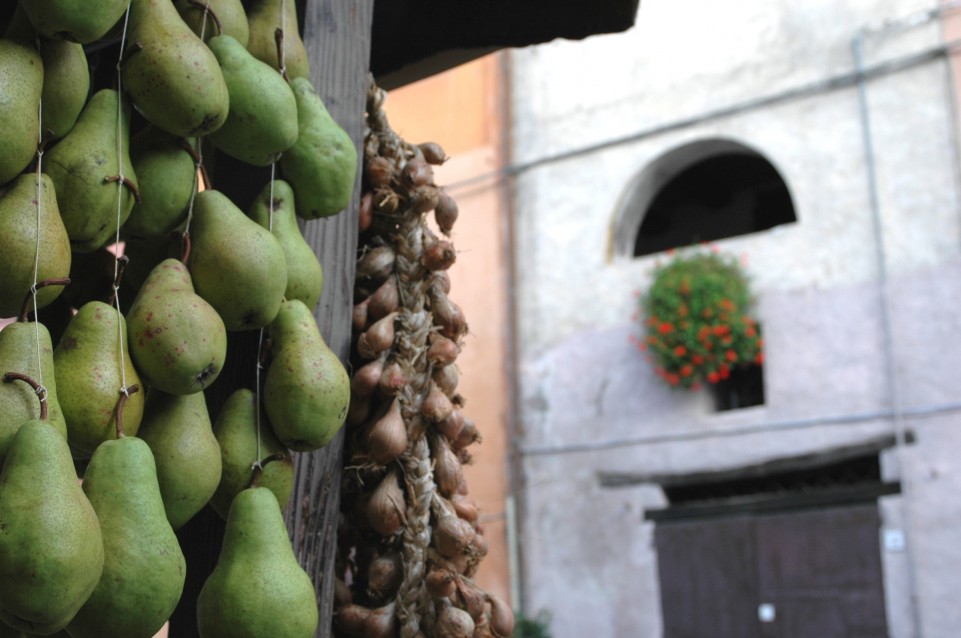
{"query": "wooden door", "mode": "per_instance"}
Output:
(817, 574)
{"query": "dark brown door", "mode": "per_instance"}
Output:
(817, 574)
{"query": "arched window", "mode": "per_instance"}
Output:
(702, 191)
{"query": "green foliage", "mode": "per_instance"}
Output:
(694, 319)
(536, 627)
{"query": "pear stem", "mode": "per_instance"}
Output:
(25, 308)
(118, 413)
(210, 12)
(198, 162)
(185, 238)
(127, 183)
(281, 62)
(122, 262)
(136, 47)
(39, 389)
(258, 467)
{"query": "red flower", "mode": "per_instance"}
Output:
(665, 328)
(759, 359)
(713, 377)
(687, 371)
(682, 310)
(697, 359)
(724, 371)
(703, 333)
(721, 330)
(750, 331)
(680, 351)
(730, 355)
(673, 379)
(727, 304)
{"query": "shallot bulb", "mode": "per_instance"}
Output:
(448, 472)
(393, 378)
(440, 583)
(501, 617)
(359, 622)
(433, 153)
(367, 378)
(442, 351)
(384, 576)
(385, 510)
(385, 300)
(436, 406)
(446, 212)
(378, 338)
(453, 536)
(387, 438)
(453, 622)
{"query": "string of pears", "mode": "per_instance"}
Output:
(103, 558)
(410, 541)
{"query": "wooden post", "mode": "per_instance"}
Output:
(337, 36)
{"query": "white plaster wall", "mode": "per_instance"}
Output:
(588, 401)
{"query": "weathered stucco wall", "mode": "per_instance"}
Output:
(588, 400)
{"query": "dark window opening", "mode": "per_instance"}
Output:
(722, 196)
(851, 472)
(743, 388)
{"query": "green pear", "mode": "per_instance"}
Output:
(306, 390)
(143, 568)
(224, 17)
(177, 340)
(264, 17)
(82, 166)
(262, 122)
(177, 429)
(51, 549)
(21, 84)
(74, 20)
(322, 164)
(18, 227)
(66, 76)
(88, 373)
(166, 171)
(305, 276)
(18, 401)
(171, 76)
(236, 432)
(66, 83)
(257, 589)
(236, 264)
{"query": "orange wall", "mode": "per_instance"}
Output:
(461, 110)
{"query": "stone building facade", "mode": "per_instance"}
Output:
(853, 104)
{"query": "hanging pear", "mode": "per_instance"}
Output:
(66, 83)
(307, 390)
(224, 17)
(322, 165)
(21, 84)
(264, 18)
(51, 548)
(177, 340)
(236, 265)
(171, 76)
(18, 226)
(88, 372)
(177, 429)
(236, 432)
(143, 569)
(262, 122)
(18, 402)
(257, 589)
(85, 169)
(66, 76)
(305, 276)
(74, 20)
(165, 170)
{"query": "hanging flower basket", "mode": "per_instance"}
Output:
(694, 319)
